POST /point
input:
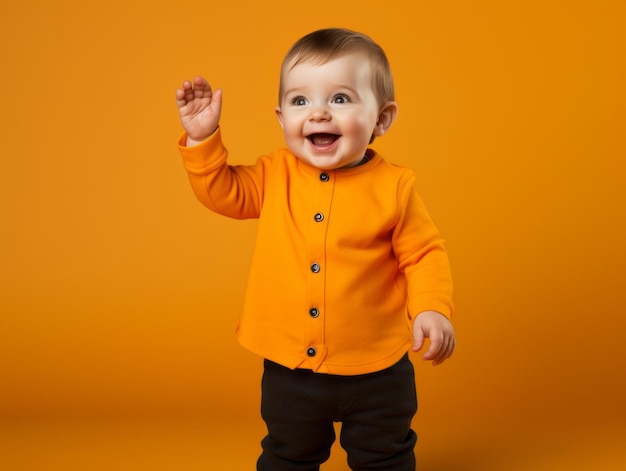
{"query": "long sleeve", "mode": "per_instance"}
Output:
(421, 256)
(235, 191)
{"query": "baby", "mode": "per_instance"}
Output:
(349, 273)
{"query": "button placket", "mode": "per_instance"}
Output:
(314, 348)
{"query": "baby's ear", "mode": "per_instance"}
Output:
(279, 115)
(386, 117)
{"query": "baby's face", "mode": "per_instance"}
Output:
(329, 111)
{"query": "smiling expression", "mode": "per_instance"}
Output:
(329, 111)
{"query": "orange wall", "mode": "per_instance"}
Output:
(119, 293)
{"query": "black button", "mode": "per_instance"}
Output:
(314, 312)
(315, 268)
(324, 177)
(311, 351)
(319, 217)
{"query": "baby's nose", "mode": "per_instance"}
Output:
(320, 113)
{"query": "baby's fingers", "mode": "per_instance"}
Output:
(441, 350)
(436, 345)
(181, 99)
(200, 88)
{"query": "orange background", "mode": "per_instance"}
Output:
(119, 293)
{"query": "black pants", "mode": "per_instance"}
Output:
(299, 408)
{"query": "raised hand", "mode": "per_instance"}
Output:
(199, 107)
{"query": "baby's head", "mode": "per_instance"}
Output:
(325, 45)
(336, 94)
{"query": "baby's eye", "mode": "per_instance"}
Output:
(299, 101)
(341, 98)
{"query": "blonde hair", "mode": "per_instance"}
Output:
(325, 45)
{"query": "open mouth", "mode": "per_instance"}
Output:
(322, 139)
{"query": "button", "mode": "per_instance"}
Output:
(315, 268)
(311, 351)
(319, 217)
(324, 177)
(314, 312)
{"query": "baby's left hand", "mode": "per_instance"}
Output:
(436, 327)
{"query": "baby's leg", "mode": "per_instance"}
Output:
(299, 415)
(376, 431)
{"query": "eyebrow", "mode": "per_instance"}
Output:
(339, 87)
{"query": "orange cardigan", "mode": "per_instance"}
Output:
(344, 259)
